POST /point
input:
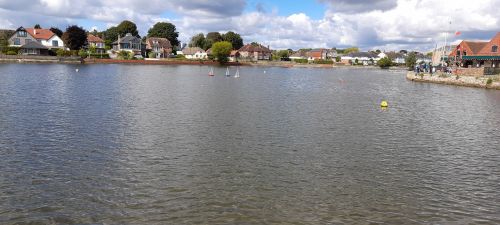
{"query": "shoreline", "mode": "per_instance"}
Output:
(464, 81)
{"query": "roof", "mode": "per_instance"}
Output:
(42, 34)
(192, 50)
(487, 49)
(254, 48)
(161, 42)
(475, 47)
(234, 53)
(33, 45)
(394, 55)
(299, 54)
(127, 39)
(94, 39)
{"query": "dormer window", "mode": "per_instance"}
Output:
(22, 33)
(494, 48)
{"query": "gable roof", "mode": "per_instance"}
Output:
(42, 34)
(362, 54)
(127, 39)
(254, 48)
(161, 42)
(94, 39)
(33, 45)
(471, 47)
(486, 50)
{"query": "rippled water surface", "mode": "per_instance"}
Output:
(118, 144)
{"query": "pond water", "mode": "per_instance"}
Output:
(131, 144)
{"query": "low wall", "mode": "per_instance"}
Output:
(39, 59)
(467, 81)
(474, 72)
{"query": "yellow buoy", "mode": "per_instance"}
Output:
(384, 104)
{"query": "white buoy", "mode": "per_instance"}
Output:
(77, 70)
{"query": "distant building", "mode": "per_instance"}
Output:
(300, 54)
(477, 54)
(193, 53)
(45, 37)
(160, 47)
(317, 54)
(255, 52)
(396, 57)
(364, 58)
(129, 43)
(97, 43)
(440, 55)
(234, 56)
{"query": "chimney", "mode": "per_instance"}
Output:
(34, 30)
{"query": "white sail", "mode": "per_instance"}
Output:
(237, 75)
(227, 72)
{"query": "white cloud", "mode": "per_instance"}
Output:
(382, 24)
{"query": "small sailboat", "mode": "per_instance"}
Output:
(237, 75)
(211, 73)
(227, 72)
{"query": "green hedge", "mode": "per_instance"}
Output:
(322, 61)
(7, 49)
(301, 60)
(61, 52)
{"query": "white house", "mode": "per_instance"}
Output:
(364, 58)
(45, 37)
(193, 53)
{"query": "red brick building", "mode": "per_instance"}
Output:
(477, 54)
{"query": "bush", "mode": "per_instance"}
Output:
(123, 55)
(99, 56)
(82, 53)
(301, 60)
(151, 55)
(384, 62)
(322, 61)
(11, 53)
(337, 59)
(63, 53)
(7, 49)
(457, 77)
(489, 81)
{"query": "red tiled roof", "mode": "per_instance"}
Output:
(43, 34)
(94, 39)
(471, 47)
(486, 50)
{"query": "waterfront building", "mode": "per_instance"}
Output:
(193, 53)
(300, 54)
(255, 52)
(129, 43)
(317, 54)
(440, 54)
(160, 47)
(364, 58)
(45, 37)
(477, 53)
(97, 43)
(234, 56)
(34, 48)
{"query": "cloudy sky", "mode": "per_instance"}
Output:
(368, 24)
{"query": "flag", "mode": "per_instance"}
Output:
(458, 33)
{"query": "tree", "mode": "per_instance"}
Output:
(283, 53)
(198, 41)
(56, 31)
(75, 37)
(165, 30)
(37, 26)
(221, 50)
(126, 27)
(351, 50)
(411, 61)
(211, 38)
(234, 38)
(384, 62)
(111, 35)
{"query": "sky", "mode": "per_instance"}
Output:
(377, 24)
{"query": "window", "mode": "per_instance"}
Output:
(465, 53)
(55, 43)
(17, 41)
(458, 53)
(21, 34)
(494, 48)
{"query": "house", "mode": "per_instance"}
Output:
(193, 53)
(317, 54)
(159, 47)
(255, 52)
(129, 43)
(234, 56)
(97, 43)
(34, 48)
(364, 58)
(396, 57)
(477, 54)
(45, 37)
(440, 54)
(300, 54)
